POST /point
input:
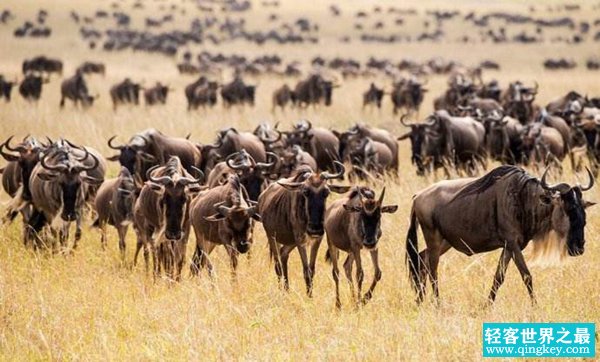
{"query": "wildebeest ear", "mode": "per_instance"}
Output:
(351, 208)
(113, 158)
(546, 199)
(47, 176)
(256, 216)
(92, 180)
(215, 217)
(390, 209)
(404, 136)
(587, 204)
(339, 189)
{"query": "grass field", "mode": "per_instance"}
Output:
(87, 306)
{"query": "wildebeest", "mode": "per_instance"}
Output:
(31, 87)
(293, 209)
(282, 96)
(42, 64)
(408, 94)
(359, 132)
(353, 223)
(114, 204)
(314, 90)
(321, 143)
(60, 183)
(542, 144)
(126, 92)
(75, 89)
(292, 158)
(201, 93)
(373, 96)
(156, 95)
(161, 217)
(92, 68)
(238, 92)
(223, 215)
(506, 208)
(517, 101)
(5, 88)
(568, 106)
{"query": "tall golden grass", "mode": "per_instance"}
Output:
(88, 306)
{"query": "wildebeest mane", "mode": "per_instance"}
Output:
(483, 183)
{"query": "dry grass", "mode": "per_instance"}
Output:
(88, 306)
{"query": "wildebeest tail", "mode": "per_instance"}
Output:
(412, 251)
(96, 223)
(328, 256)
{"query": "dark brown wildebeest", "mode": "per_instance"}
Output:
(205, 95)
(75, 89)
(370, 158)
(293, 209)
(314, 90)
(271, 137)
(231, 141)
(517, 102)
(408, 94)
(292, 158)
(161, 217)
(126, 92)
(60, 183)
(373, 96)
(6, 88)
(31, 87)
(156, 95)
(504, 209)
(92, 68)
(568, 106)
(282, 96)
(444, 140)
(503, 137)
(353, 223)
(460, 88)
(223, 215)
(42, 64)
(253, 175)
(361, 131)
(238, 92)
(114, 204)
(321, 143)
(542, 145)
(490, 90)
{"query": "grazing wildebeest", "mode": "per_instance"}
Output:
(353, 223)
(293, 209)
(92, 68)
(114, 204)
(6, 88)
(373, 96)
(60, 183)
(506, 208)
(42, 64)
(161, 217)
(75, 89)
(31, 87)
(156, 95)
(321, 143)
(126, 92)
(282, 96)
(223, 215)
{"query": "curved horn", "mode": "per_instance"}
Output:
(59, 167)
(163, 180)
(561, 187)
(590, 183)
(74, 145)
(268, 141)
(217, 144)
(191, 180)
(88, 168)
(404, 123)
(16, 149)
(7, 156)
(263, 165)
(85, 155)
(339, 174)
(380, 202)
(233, 166)
(119, 147)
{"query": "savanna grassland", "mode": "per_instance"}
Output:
(88, 306)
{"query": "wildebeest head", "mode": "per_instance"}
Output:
(237, 219)
(131, 156)
(568, 213)
(251, 173)
(69, 172)
(314, 191)
(175, 189)
(369, 220)
(27, 158)
(422, 140)
(126, 194)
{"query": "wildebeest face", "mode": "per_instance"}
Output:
(369, 219)
(238, 222)
(174, 205)
(315, 195)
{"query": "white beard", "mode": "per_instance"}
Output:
(548, 250)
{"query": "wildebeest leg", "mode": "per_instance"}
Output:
(122, 231)
(360, 274)
(62, 101)
(77, 230)
(434, 242)
(376, 276)
(285, 255)
(103, 236)
(525, 274)
(348, 270)
(306, 269)
(314, 250)
(233, 259)
(500, 273)
(334, 254)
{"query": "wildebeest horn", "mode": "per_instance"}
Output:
(263, 165)
(309, 126)
(7, 156)
(74, 145)
(561, 187)
(404, 123)
(119, 147)
(269, 141)
(217, 144)
(59, 167)
(85, 155)
(184, 181)
(88, 168)
(16, 149)
(241, 166)
(380, 202)
(590, 183)
(339, 174)
(537, 86)
(163, 180)
(50, 142)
